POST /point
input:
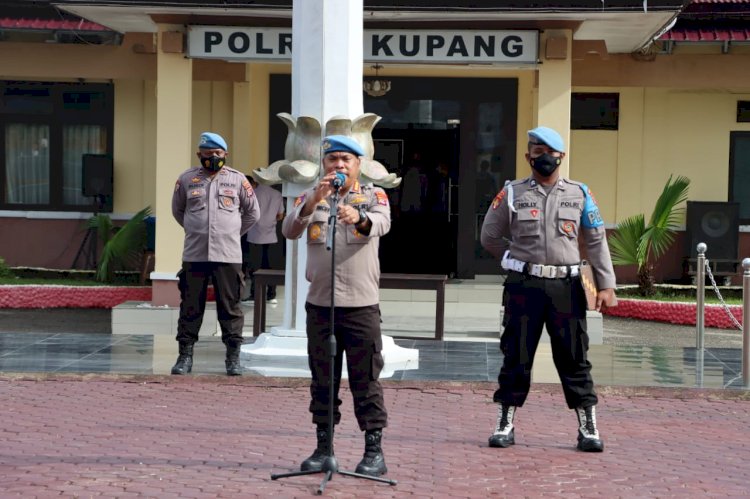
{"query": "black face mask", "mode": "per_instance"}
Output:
(213, 163)
(545, 165)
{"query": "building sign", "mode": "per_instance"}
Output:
(394, 46)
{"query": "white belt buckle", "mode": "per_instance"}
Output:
(549, 271)
(505, 262)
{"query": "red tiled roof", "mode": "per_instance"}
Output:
(707, 35)
(50, 24)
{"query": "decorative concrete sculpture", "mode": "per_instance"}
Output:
(301, 163)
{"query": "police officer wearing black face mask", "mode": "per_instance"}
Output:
(216, 206)
(533, 226)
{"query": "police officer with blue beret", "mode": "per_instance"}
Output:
(363, 216)
(533, 226)
(216, 205)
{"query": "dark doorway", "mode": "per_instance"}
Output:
(424, 207)
(453, 143)
(461, 135)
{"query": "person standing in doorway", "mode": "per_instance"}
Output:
(216, 206)
(362, 217)
(262, 236)
(533, 225)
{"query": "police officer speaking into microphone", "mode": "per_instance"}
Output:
(533, 225)
(362, 217)
(216, 205)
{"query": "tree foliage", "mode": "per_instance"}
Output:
(122, 246)
(635, 243)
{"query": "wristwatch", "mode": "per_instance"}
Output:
(362, 216)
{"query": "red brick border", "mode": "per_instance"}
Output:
(674, 312)
(52, 296)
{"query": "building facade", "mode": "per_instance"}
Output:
(642, 91)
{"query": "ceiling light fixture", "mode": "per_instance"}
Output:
(376, 87)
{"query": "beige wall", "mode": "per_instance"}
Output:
(213, 112)
(594, 162)
(676, 114)
(61, 62)
(662, 132)
(714, 71)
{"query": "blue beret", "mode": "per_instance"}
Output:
(211, 140)
(336, 143)
(548, 137)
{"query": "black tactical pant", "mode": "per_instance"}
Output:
(228, 284)
(357, 332)
(259, 257)
(560, 304)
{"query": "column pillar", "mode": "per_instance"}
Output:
(327, 60)
(243, 116)
(327, 55)
(174, 149)
(555, 74)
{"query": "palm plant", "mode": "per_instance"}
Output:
(121, 246)
(634, 243)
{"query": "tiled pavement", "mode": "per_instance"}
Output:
(614, 365)
(210, 436)
(93, 415)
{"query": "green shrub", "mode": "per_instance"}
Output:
(122, 246)
(4, 269)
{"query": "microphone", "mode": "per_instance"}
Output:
(339, 180)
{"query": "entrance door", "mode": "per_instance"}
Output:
(453, 142)
(456, 138)
(424, 218)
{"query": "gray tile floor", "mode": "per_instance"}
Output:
(448, 360)
(634, 353)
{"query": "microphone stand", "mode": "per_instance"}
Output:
(330, 464)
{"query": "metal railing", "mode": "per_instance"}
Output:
(703, 267)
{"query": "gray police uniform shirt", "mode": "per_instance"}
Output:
(271, 205)
(543, 228)
(215, 211)
(357, 274)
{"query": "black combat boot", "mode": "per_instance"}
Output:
(234, 368)
(504, 434)
(588, 435)
(319, 455)
(184, 362)
(373, 462)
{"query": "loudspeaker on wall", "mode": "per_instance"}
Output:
(97, 175)
(715, 223)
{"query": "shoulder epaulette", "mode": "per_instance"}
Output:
(190, 171)
(571, 182)
(232, 170)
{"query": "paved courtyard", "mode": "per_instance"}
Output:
(213, 436)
